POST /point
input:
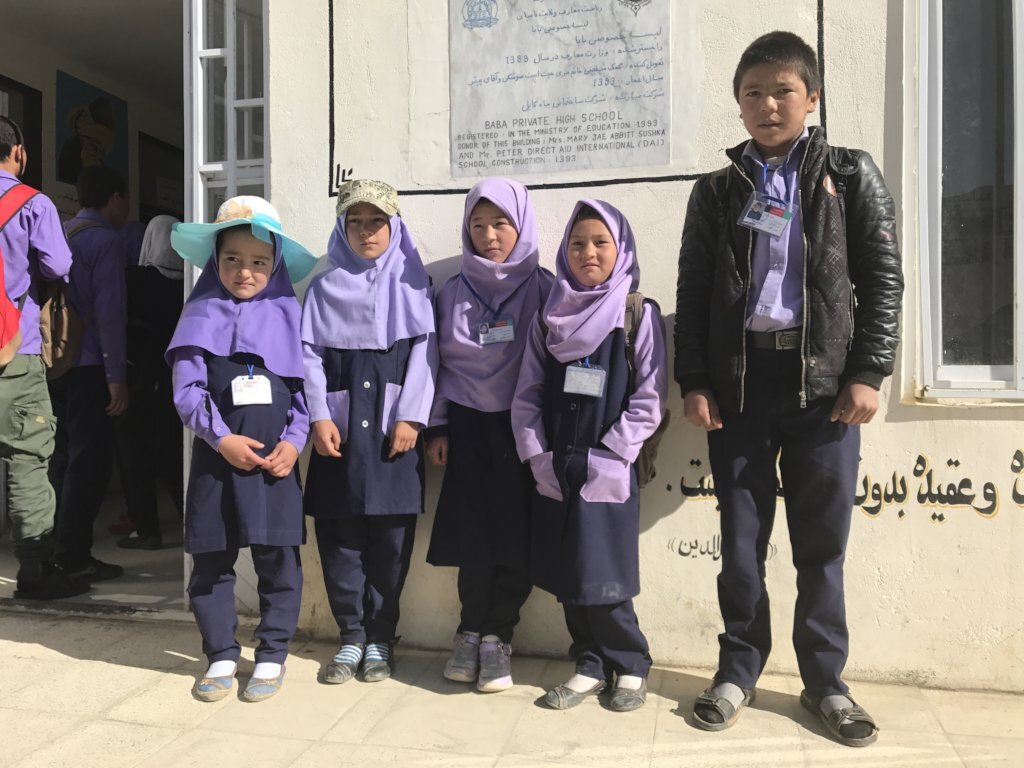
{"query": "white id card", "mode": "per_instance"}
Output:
(251, 390)
(584, 381)
(500, 330)
(765, 214)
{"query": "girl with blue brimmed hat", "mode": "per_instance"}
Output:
(236, 359)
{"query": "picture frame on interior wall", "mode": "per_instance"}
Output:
(91, 128)
(24, 105)
(161, 178)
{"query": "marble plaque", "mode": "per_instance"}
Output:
(558, 85)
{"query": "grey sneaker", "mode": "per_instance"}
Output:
(464, 663)
(495, 667)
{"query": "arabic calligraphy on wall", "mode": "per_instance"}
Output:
(940, 490)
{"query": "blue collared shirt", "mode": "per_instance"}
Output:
(777, 268)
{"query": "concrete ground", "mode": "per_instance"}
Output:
(92, 690)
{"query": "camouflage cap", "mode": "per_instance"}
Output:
(376, 193)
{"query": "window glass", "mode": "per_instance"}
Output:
(977, 183)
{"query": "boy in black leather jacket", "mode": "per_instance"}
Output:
(787, 321)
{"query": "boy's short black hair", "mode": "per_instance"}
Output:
(97, 184)
(10, 136)
(781, 48)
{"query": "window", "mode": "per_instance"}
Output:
(972, 263)
(227, 103)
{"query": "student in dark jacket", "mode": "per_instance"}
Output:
(787, 320)
(148, 435)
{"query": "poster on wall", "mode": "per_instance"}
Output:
(559, 85)
(92, 129)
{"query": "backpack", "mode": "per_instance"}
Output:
(60, 325)
(11, 201)
(645, 470)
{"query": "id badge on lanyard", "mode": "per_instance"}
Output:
(585, 379)
(764, 213)
(499, 330)
(251, 390)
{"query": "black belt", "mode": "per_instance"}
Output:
(787, 339)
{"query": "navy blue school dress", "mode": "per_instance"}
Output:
(583, 552)
(226, 506)
(363, 387)
(483, 512)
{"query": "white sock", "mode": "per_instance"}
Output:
(629, 682)
(490, 639)
(472, 634)
(266, 670)
(221, 669)
(581, 683)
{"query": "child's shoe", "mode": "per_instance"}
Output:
(463, 666)
(378, 661)
(344, 665)
(262, 688)
(495, 666)
(213, 688)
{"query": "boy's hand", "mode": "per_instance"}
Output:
(437, 450)
(281, 460)
(701, 409)
(118, 398)
(403, 437)
(238, 451)
(856, 403)
(327, 438)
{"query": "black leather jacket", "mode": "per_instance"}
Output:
(853, 279)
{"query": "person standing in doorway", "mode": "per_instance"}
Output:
(88, 397)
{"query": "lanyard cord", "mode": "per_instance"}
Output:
(787, 198)
(494, 312)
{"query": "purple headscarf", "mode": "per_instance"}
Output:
(579, 318)
(368, 303)
(484, 377)
(266, 325)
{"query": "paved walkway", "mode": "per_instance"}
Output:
(99, 691)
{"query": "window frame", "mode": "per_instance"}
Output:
(983, 382)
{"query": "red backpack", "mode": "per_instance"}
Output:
(11, 202)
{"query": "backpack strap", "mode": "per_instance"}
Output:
(634, 311)
(80, 226)
(842, 164)
(13, 200)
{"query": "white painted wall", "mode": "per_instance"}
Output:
(935, 603)
(30, 57)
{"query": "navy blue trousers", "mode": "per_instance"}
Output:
(818, 462)
(607, 639)
(211, 590)
(365, 560)
(82, 460)
(491, 597)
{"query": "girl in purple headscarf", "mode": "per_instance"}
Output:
(236, 363)
(580, 416)
(370, 358)
(483, 315)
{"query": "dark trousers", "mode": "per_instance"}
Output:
(607, 639)
(211, 590)
(147, 446)
(82, 459)
(818, 462)
(365, 560)
(491, 597)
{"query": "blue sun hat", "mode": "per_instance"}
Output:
(196, 242)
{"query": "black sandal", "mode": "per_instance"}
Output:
(722, 706)
(834, 724)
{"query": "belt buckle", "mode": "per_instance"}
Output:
(787, 339)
